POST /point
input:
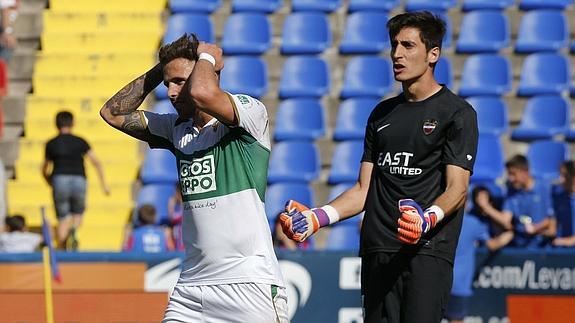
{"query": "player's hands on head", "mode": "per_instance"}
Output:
(297, 221)
(215, 51)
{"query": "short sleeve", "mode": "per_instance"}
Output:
(161, 126)
(85, 146)
(462, 136)
(368, 142)
(48, 151)
(252, 116)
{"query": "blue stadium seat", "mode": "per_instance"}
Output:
(315, 5)
(545, 157)
(299, 119)
(164, 107)
(158, 196)
(570, 135)
(246, 33)
(277, 195)
(432, 5)
(544, 116)
(544, 4)
(492, 116)
(372, 5)
(206, 6)
(485, 74)
(469, 5)
(294, 161)
(345, 162)
(304, 76)
(265, 6)
(572, 48)
(369, 76)
(544, 73)
(305, 33)
(159, 166)
(542, 30)
(334, 192)
(443, 72)
(235, 79)
(342, 237)
(489, 162)
(181, 23)
(197, 23)
(483, 31)
(363, 33)
(352, 118)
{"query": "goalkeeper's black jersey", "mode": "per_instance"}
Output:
(410, 144)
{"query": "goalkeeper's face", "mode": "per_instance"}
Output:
(176, 72)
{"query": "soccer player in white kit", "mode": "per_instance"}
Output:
(222, 147)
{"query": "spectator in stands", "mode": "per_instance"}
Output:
(563, 195)
(17, 238)
(474, 232)
(528, 201)
(63, 169)
(9, 12)
(282, 241)
(176, 217)
(149, 237)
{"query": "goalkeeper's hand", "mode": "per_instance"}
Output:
(299, 222)
(414, 222)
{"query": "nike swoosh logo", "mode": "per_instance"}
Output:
(383, 127)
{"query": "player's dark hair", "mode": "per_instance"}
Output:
(569, 167)
(15, 223)
(519, 162)
(183, 47)
(431, 27)
(147, 214)
(64, 119)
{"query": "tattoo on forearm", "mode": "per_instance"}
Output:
(134, 122)
(128, 99)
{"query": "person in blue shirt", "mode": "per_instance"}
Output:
(148, 237)
(529, 202)
(563, 195)
(474, 232)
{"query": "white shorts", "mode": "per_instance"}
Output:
(227, 303)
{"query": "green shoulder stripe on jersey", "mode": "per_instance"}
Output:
(236, 163)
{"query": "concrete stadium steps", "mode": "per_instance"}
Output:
(115, 6)
(96, 214)
(101, 42)
(115, 172)
(72, 21)
(102, 237)
(94, 65)
(107, 151)
(79, 85)
(39, 193)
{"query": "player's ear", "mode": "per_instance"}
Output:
(433, 55)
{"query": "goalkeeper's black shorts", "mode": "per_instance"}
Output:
(404, 288)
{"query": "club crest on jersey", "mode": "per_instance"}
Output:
(429, 126)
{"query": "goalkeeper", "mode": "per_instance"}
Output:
(419, 151)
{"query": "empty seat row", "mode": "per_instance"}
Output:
(305, 76)
(270, 6)
(309, 32)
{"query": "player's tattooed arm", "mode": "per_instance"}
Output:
(120, 111)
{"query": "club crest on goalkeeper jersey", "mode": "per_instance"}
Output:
(223, 176)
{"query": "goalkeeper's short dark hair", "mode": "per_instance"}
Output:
(431, 27)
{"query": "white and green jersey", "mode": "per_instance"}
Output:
(223, 176)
